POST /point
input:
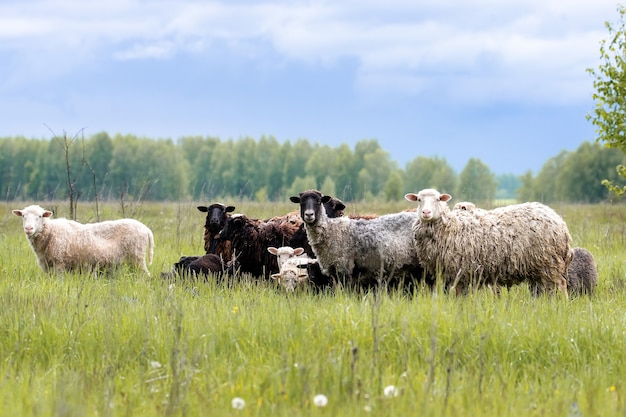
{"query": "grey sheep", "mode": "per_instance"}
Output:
(359, 252)
(505, 246)
(582, 273)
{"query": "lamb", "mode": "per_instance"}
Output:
(505, 246)
(359, 252)
(66, 245)
(293, 272)
(285, 252)
(202, 266)
(217, 214)
(250, 238)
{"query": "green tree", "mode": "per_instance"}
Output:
(301, 184)
(375, 171)
(477, 183)
(545, 184)
(579, 178)
(507, 185)
(393, 186)
(328, 187)
(526, 191)
(609, 114)
(423, 172)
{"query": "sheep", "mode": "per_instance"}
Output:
(359, 252)
(298, 269)
(65, 245)
(469, 206)
(250, 238)
(284, 252)
(582, 274)
(216, 216)
(202, 266)
(334, 208)
(293, 272)
(508, 245)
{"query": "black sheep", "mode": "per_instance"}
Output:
(250, 239)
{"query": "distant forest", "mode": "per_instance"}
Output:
(207, 168)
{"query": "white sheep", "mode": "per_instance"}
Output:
(293, 266)
(468, 206)
(284, 252)
(294, 272)
(505, 246)
(62, 244)
(360, 252)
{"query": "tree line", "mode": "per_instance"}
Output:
(101, 167)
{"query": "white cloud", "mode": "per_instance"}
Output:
(529, 49)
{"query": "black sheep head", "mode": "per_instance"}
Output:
(311, 202)
(217, 213)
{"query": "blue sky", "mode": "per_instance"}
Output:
(502, 81)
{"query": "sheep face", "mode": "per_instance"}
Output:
(32, 219)
(292, 275)
(429, 203)
(334, 207)
(216, 216)
(285, 252)
(464, 205)
(231, 225)
(311, 202)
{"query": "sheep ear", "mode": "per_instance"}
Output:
(230, 209)
(47, 213)
(17, 212)
(276, 276)
(298, 251)
(294, 199)
(203, 209)
(411, 197)
(272, 250)
(445, 197)
(326, 199)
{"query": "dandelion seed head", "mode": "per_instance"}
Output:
(390, 391)
(320, 400)
(238, 403)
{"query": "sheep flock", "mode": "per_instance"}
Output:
(462, 248)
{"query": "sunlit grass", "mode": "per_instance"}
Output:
(127, 344)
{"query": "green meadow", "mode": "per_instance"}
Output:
(131, 345)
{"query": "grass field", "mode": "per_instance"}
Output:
(132, 345)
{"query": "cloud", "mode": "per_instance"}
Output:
(477, 50)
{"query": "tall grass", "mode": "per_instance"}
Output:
(127, 344)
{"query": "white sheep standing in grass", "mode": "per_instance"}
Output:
(505, 246)
(62, 244)
(582, 273)
(360, 252)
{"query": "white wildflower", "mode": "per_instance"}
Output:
(238, 403)
(390, 391)
(320, 400)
